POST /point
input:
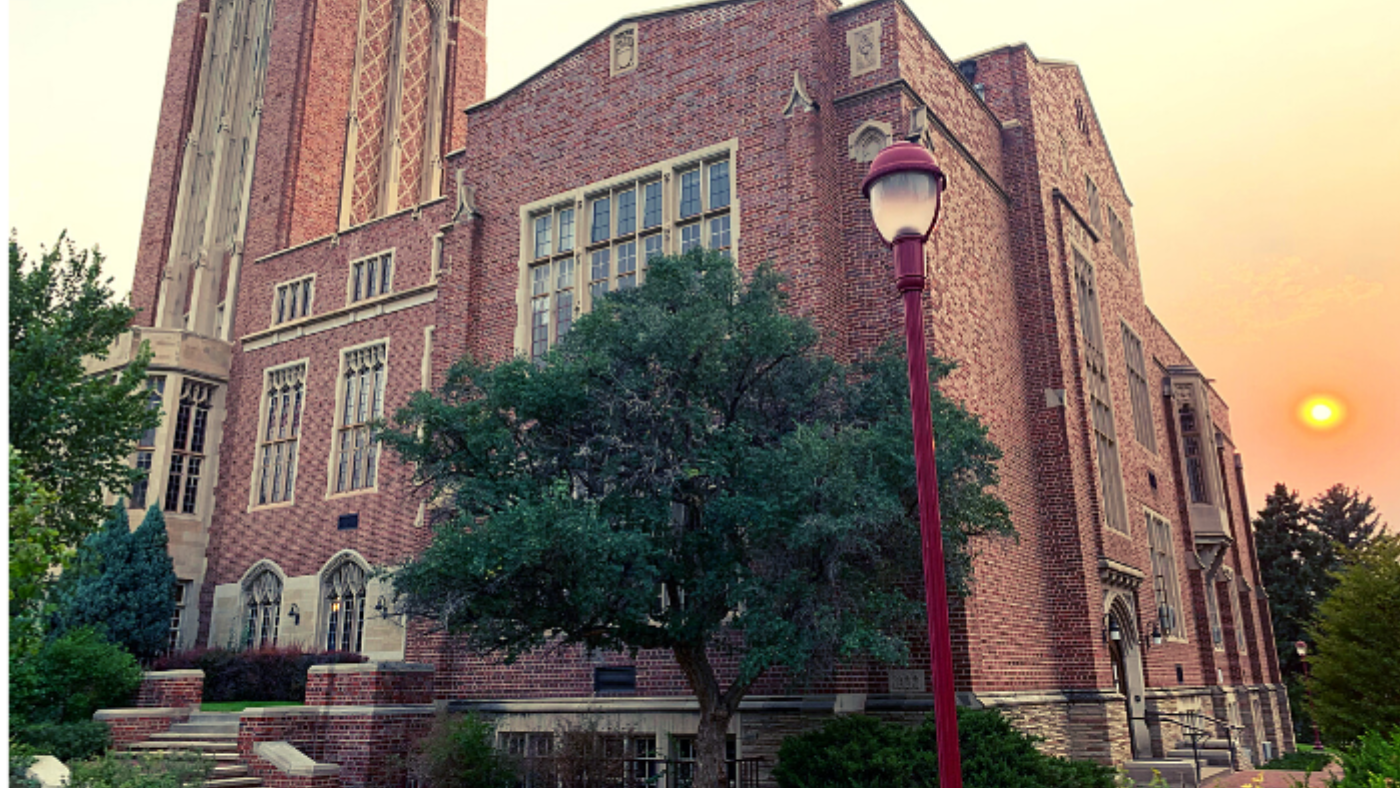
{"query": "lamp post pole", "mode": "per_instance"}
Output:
(1302, 648)
(907, 186)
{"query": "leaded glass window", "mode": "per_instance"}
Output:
(362, 402)
(277, 448)
(262, 608)
(187, 451)
(344, 590)
(293, 301)
(371, 277)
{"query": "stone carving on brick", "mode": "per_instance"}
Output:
(798, 98)
(466, 198)
(624, 50)
(920, 131)
(869, 138)
(864, 44)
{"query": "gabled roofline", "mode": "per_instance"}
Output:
(1083, 86)
(667, 11)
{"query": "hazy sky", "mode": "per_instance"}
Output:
(1259, 142)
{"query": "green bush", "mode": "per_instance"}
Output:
(21, 758)
(66, 741)
(145, 771)
(71, 677)
(863, 752)
(271, 673)
(460, 752)
(1299, 762)
(1373, 762)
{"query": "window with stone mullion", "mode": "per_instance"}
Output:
(281, 434)
(345, 608)
(187, 451)
(363, 402)
(1165, 581)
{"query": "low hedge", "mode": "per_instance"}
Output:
(255, 674)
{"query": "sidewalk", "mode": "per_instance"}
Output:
(1249, 778)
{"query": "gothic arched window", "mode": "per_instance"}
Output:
(344, 590)
(262, 605)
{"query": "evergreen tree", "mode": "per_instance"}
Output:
(1346, 522)
(686, 472)
(1289, 553)
(1356, 668)
(124, 581)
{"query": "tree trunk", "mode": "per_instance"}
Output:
(716, 709)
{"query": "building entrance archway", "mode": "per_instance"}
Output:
(1125, 654)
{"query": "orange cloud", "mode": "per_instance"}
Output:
(1246, 302)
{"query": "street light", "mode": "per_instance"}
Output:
(1302, 648)
(904, 187)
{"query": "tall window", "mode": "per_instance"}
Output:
(1217, 634)
(187, 453)
(182, 589)
(1192, 448)
(626, 225)
(1138, 391)
(1119, 236)
(362, 401)
(262, 608)
(371, 276)
(344, 590)
(1100, 402)
(145, 445)
(1095, 216)
(1164, 578)
(293, 301)
(277, 449)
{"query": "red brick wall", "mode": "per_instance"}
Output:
(129, 726)
(369, 746)
(171, 689)
(370, 684)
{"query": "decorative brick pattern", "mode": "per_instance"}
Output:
(171, 689)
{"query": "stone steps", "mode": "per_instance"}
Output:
(214, 736)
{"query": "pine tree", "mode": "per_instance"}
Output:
(1288, 560)
(1345, 521)
(124, 581)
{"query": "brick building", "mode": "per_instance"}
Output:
(336, 213)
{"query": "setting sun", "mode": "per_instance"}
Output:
(1321, 412)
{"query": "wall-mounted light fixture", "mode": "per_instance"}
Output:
(294, 613)
(382, 607)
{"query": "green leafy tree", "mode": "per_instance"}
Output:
(124, 580)
(74, 431)
(687, 472)
(1356, 668)
(35, 548)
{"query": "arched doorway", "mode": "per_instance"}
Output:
(1125, 655)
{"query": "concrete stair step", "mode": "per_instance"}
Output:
(1176, 772)
(220, 728)
(188, 744)
(218, 757)
(186, 735)
(229, 770)
(1208, 755)
(233, 782)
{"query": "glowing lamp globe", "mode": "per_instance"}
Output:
(905, 188)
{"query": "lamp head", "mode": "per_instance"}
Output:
(904, 187)
(1301, 647)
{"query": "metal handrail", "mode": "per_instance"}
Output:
(1196, 732)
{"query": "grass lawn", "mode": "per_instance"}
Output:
(240, 705)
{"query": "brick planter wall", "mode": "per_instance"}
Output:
(170, 689)
(370, 744)
(369, 684)
(129, 726)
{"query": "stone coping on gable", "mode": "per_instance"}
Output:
(340, 711)
(192, 673)
(373, 667)
(121, 714)
(293, 762)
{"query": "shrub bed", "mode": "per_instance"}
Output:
(256, 674)
(870, 753)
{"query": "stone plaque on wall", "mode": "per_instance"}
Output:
(624, 50)
(908, 681)
(864, 43)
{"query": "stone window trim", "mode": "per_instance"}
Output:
(1217, 630)
(191, 449)
(261, 442)
(581, 201)
(182, 597)
(1118, 233)
(1166, 575)
(260, 604)
(624, 50)
(868, 139)
(332, 466)
(369, 274)
(343, 590)
(1091, 192)
(292, 300)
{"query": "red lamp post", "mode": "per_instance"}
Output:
(1301, 647)
(904, 187)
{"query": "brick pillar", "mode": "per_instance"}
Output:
(370, 684)
(170, 689)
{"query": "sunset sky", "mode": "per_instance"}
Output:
(1259, 142)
